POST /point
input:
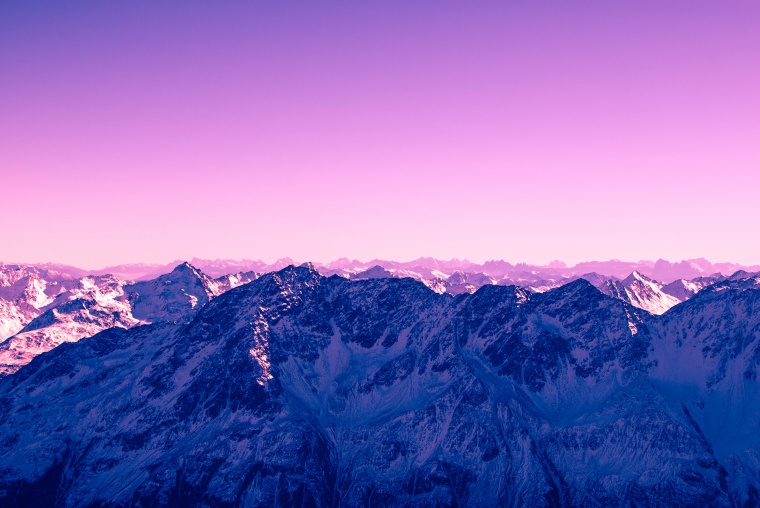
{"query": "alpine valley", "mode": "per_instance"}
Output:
(427, 383)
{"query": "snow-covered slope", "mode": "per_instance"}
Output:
(172, 296)
(456, 283)
(640, 291)
(298, 389)
(461, 282)
(683, 289)
(24, 292)
(83, 308)
(45, 314)
(233, 280)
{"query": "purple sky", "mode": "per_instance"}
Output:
(522, 130)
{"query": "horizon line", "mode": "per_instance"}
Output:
(291, 261)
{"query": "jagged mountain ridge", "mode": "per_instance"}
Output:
(298, 388)
(430, 268)
(26, 295)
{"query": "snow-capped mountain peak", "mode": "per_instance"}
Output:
(48, 314)
(642, 292)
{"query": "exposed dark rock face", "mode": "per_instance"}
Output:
(299, 389)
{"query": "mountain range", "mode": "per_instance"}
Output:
(380, 384)
(661, 270)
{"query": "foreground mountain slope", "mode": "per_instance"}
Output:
(300, 389)
(708, 356)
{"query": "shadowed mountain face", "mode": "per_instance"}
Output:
(300, 389)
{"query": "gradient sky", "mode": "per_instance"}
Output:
(518, 130)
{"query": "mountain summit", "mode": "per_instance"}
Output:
(46, 313)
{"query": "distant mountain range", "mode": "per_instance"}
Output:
(429, 268)
(353, 384)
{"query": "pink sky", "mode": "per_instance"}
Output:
(528, 131)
